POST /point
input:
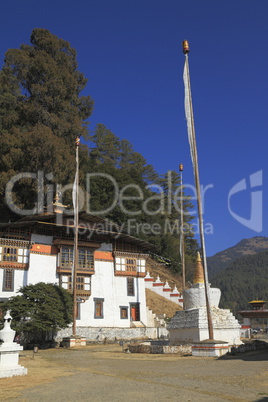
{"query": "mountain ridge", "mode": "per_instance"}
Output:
(245, 279)
(221, 260)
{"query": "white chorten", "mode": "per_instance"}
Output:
(9, 351)
(190, 325)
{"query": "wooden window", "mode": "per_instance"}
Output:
(141, 265)
(14, 254)
(85, 258)
(18, 233)
(98, 312)
(10, 254)
(130, 287)
(66, 257)
(8, 280)
(123, 312)
(131, 264)
(66, 282)
(82, 282)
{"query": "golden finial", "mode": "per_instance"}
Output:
(185, 47)
(199, 271)
(77, 141)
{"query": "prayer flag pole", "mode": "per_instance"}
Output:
(182, 249)
(76, 218)
(192, 141)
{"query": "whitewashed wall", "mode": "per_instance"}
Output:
(42, 268)
(104, 285)
(20, 279)
(113, 289)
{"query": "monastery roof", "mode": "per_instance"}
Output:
(99, 225)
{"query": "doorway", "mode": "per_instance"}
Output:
(135, 311)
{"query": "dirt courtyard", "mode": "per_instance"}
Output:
(106, 373)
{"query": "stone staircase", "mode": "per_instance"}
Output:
(155, 320)
(163, 289)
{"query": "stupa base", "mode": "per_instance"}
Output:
(12, 371)
(73, 341)
(210, 348)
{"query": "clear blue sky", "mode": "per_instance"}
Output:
(131, 54)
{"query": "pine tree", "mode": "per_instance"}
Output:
(41, 111)
(117, 159)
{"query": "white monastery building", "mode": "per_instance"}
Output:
(110, 273)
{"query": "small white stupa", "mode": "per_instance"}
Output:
(191, 324)
(9, 351)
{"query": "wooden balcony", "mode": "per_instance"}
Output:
(80, 270)
(84, 294)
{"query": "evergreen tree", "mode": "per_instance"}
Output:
(159, 204)
(40, 309)
(41, 111)
(245, 279)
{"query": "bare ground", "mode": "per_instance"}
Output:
(105, 373)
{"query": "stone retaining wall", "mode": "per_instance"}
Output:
(159, 349)
(94, 334)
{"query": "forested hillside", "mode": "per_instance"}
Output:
(223, 259)
(42, 111)
(245, 279)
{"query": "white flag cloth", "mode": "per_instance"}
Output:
(75, 183)
(181, 243)
(74, 191)
(188, 108)
(75, 205)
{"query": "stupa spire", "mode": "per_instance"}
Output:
(199, 271)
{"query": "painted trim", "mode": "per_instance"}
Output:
(44, 249)
(103, 255)
(14, 265)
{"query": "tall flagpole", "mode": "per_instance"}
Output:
(76, 217)
(193, 149)
(182, 249)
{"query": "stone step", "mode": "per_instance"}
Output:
(137, 324)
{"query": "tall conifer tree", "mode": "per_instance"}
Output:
(41, 111)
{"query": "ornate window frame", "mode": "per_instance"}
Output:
(85, 259)
(83, 282)
(130, 264)
(98, 307)
(14, 253)
(8, 280)
(130, 286)
(123, 312)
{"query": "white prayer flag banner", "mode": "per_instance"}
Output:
(188, 107)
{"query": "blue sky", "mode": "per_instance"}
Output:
(131, 54)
